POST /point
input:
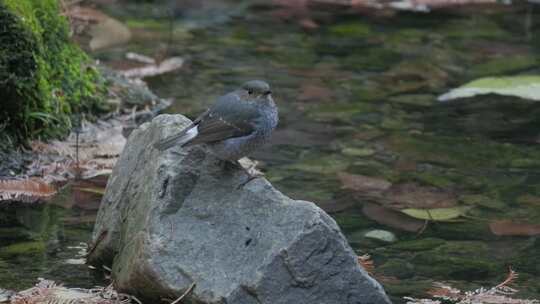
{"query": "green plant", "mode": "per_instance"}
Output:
(44, 78)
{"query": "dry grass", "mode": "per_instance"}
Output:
(48, 292)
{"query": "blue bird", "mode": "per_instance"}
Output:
(237, 124)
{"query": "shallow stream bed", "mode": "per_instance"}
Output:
(358, 99)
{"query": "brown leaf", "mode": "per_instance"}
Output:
(363, 183)
(507, 228)
(411, 195)
(315, 92)
(99, 145)
(367, 263)
(398, 196)
(308, 24)
(391, 218)
(289, 9)
(166, 66)
(25, 190)
(103, 30)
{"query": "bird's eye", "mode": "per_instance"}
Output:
(250, 92)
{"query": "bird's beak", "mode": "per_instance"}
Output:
(267, 93)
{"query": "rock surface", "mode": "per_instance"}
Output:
(170, 219)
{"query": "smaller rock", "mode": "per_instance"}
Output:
(5, 295)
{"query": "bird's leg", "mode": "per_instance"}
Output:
(251, 176)
(227, 164)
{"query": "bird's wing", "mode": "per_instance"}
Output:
(229, 117)
(175, 139)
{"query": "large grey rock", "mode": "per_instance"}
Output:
(170, 219)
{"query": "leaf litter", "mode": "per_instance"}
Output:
(405, 206)
(88, 153)
(500, 294)
(46, 291)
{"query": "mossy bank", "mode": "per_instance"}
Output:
(44, 79)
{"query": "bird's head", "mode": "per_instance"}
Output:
(257, 89)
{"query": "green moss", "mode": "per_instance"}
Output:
(462, 153)
(24, 248)
(322, 165)
(422, 100)
(418, 245)
(467, 230)
(378, 59)
(501, 66)
(352, 222)
(457, 260)
(14, 233)
(358, 152)
(44, 78)
(473, 28)
(398, 268)
(432, 178)
(413, 288)
(483, 201)
(528, 259)
(350, 29)
(339, 112)
(149, 24)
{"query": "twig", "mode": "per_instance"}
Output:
(77, 152)
(184, 294)
(93, 246)
(366, 262)
(107, 268)
(134, 298)
(423, 228)
(512, 275)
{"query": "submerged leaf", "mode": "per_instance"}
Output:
(526, 87)
(25, 190)
(367, 263)
(100, 191)
(437, 214)
(363, 183)
(506, 228)
(412, 195)
(391, 218)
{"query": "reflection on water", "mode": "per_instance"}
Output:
(357, 100)
(47, 241)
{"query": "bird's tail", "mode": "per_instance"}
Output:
(173, 140)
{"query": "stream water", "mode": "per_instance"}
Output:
(357, 98)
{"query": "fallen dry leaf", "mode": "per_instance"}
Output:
(315, 92)
(47, 291)
(104, 31)
(166, 66)
(27, 190)
(91, 156)
(367, 263)
(509, 228)
(412, 195)
(392, 218)
(363, 183)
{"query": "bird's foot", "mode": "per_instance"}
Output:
(229, 165)
(250, 177)
(250, 170)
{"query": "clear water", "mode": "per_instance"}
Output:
(357, 95)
